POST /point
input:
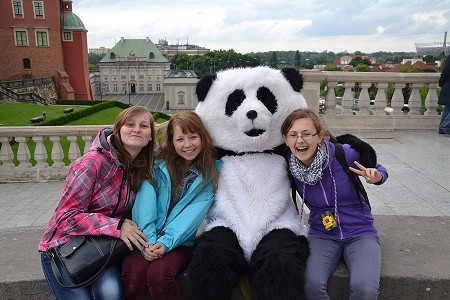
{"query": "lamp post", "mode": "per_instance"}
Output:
(129, 92)
(98, 84)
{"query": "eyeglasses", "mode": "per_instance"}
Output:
(293, 136)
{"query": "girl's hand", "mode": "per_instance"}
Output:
(153, 252)
(131, 234)
(371, 175)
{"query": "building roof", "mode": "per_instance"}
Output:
(134, 49)
(71, 21)
(181, 74)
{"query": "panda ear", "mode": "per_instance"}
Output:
(204, 85)
(294, 77)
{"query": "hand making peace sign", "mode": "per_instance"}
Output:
(371, 175)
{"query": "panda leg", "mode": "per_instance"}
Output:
(216, 266)
(278, 266)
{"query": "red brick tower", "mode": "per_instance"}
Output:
(75, 49)
(41, 39)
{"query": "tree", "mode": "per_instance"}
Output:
(360, 61)
(273, 60)
(363, 68)
(331, 67)
(297, 61)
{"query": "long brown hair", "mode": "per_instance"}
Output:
(189, 122)
(141, 166)
(304, 113)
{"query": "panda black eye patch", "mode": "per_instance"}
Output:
(234, 100)
(267, 98)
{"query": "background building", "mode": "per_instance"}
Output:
(132, 66)
(170, 51)
(43, 47)
(179, 90)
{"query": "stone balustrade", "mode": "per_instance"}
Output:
(37, 165)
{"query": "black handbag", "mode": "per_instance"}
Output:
(85, 257)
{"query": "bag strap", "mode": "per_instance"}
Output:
(58, 276)
(357, 184)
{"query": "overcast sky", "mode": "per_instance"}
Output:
(269, 25)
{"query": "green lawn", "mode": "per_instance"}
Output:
(19, 114)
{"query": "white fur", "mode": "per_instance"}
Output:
(253, 195)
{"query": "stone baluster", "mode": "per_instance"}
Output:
(380, 98)
(330, 101)
(40, 153)
(74, 150)
(431, 101)
(87, 142)
(6, 154)
(397, 100)
(348, 98)
(364, 98)
(57, 152)
(414, 101)
(23, 153)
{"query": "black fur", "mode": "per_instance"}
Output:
(368, 156)
(294, 77)
(203, 86)
(278, 265)
(216, 266)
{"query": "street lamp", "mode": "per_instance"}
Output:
(129, 92)
(98, 86)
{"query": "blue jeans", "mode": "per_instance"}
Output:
(107, 287)
(445, 119)
(362, 256)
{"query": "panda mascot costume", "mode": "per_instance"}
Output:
(253, 227)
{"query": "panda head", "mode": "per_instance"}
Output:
(243, 109)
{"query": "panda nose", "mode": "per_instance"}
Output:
(252, 114)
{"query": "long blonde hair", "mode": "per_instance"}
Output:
(141, 166)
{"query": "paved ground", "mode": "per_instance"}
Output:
(411, 209)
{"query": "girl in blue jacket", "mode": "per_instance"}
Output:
(170, 211)
(340, 225)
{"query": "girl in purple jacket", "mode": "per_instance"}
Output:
(340, 225)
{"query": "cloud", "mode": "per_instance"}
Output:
(267, 25)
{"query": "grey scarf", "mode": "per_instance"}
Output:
(310, 175)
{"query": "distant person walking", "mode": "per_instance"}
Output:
(444, 98)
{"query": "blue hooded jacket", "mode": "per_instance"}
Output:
(180, 226)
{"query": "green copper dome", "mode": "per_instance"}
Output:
(71, 21)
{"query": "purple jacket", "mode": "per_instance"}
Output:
(352, 219)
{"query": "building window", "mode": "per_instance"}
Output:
(158, 87)
(141, 87)
(151, 55)
(67, 36)
(17, 8)
(26, 63)
(21, 37)
(181, 98)
(115, 89)
(38, 9)
(41, 38)
(150, 87)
